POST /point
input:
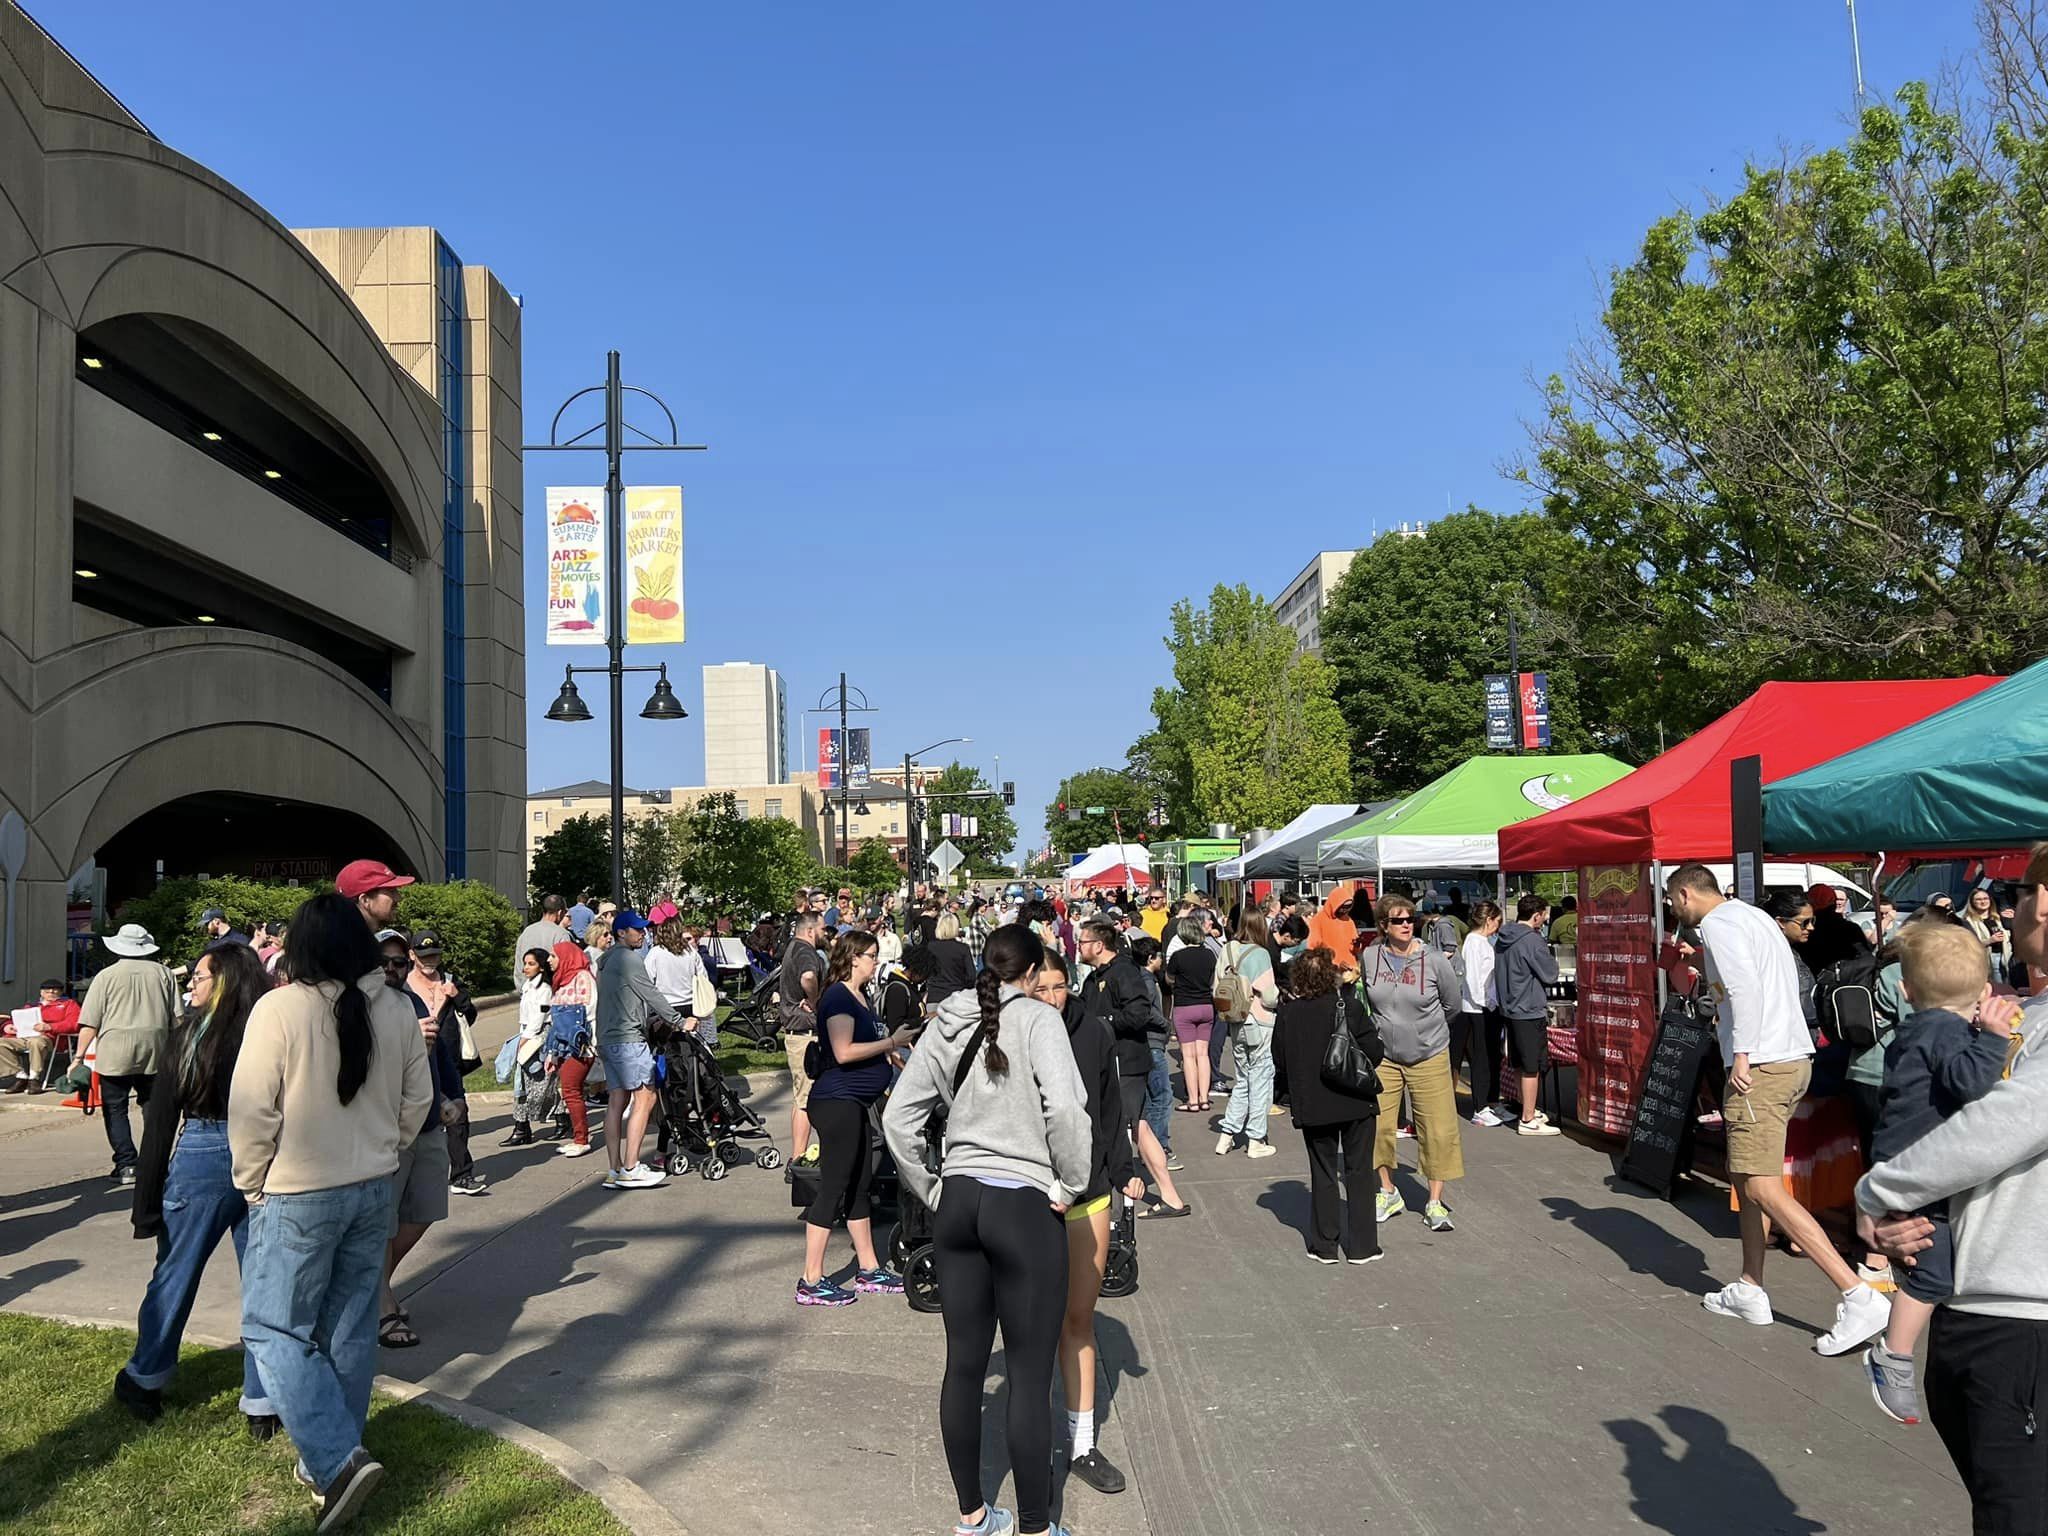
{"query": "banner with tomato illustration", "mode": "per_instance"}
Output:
(575, 595)
(654, 565)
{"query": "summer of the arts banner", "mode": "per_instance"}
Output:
(654, 565)
(575, 565)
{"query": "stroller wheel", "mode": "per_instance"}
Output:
(897, 1248)
(713, 1168)
(728, 1152)
(768, 1157)
(1120, 1272)
(921, 1280)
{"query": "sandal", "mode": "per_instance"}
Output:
(394, 1332)
(1190, 1109)
(1159, 1209)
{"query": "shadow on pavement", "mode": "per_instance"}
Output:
(1288, 1200)
(19, 1282)
(57, 1208)
(1638, 1241)
(1708, 1487)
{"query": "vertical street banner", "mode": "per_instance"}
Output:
(1500, 712)
(1617, 988)
(856, 755)
(1535, 711)
(828, 757)
(575, 599)
(654, 565)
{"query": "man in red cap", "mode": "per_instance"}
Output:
(1834, 937)
(373, 886)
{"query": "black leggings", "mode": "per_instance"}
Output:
(1002, 1255)
(1476, 1037)
(846, 1161)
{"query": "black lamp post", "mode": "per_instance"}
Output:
(914, 822)
(662, 704)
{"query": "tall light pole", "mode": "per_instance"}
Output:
(914, 819)
(662, 704)
(842, 695)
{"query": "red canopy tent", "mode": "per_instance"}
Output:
(1676, 807)
(1131, 876)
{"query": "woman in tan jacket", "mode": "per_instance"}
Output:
(331, 1082)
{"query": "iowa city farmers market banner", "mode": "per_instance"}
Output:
(654, 565)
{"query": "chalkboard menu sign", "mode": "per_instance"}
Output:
(1661, 1131)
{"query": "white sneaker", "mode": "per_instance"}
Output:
(1740, 1299)
(1224, 1143)
(1259, 1149)
(1485, 1116)
(574, 1149)
(1860, 1317)
(1537, 1128)
(640, 1176)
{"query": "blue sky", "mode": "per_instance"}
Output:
(1009, 324)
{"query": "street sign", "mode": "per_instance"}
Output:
(946, 858)
(1098, 810)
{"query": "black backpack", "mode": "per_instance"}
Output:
(1845, 1001)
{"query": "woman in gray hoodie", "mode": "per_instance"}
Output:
(1018, 1151)
(1412, 989)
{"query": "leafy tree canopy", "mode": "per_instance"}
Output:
(1112, 794)
(574, 858)
(987, 849)
(873, 868)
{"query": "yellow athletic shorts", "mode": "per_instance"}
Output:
(1087, 1208)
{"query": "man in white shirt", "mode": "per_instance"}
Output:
(1755, 988)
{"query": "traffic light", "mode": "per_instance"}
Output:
(1009, 792)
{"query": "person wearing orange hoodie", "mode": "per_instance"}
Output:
(1334, 927)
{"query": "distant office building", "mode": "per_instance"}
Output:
(1300, 604)
(746, 726)
(799, 802)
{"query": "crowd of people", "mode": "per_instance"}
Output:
(304, 1098)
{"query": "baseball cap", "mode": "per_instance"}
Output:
(426, 942)
(212, 914)
(1823, 897)
(367, 875)
(626, 920)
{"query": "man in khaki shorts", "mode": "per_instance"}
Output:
(1754, 984)
(799, 984)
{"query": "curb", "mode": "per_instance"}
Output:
(630, 1504)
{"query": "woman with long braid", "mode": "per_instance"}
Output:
(1018, 1151)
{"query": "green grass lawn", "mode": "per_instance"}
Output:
(73, 1462)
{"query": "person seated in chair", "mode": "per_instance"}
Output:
(25, 1058)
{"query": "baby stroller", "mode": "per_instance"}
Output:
(702, 1118)
(756, 1018)
(909, 1248)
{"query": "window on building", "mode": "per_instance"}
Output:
(567, 801)
(741, 808)
(540, 816)
(895, 827)
(772, 809)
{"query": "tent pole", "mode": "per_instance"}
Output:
(1657, 935)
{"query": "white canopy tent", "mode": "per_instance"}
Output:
(1106, 860)
(1281, 848)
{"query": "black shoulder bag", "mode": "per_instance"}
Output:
(1346, 1068)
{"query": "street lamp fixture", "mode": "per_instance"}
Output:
(913, 817)
(568, 703)
(663, 704)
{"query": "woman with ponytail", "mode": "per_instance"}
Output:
(331, 1082)
(184, 1197)
(1018, 1152)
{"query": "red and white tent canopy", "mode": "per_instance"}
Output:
(1125, 864)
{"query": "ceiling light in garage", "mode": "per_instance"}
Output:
(211, 437)
(204, 618)
(84, 575)
(92, 362)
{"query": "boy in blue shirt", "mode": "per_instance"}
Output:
(1947, 1052)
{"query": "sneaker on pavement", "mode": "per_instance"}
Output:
(1174, 1164)
(1224, 1142)
(641, 1177)
(468, 1184)
(1259, 1149)
(1324, 1258)
(824, 1294)
(1370, 1258)
(343, 1497)
(1536, 1128)
(1484, 1115)
(878, 1281)
(1389, 1205)
(574, 1149)
(1742, 1300)
(1098, 1472)
(1861, 1316)
(1437, 1217)
(611, 1178)
(995, 1521)
(1892, 1385)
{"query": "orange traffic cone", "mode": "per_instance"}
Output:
(90, 1098)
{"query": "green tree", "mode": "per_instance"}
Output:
(654, 855)
(1159, 762)
(873, 868)
(575, 857)
(1416, 624)
(943, 795)
(1814, 419)
(1256, 721)
(736, 864)
(1106, 790)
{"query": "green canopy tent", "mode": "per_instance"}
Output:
(1454, 822)
(1970, 779)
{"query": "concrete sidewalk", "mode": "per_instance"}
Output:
(1545, 1367)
